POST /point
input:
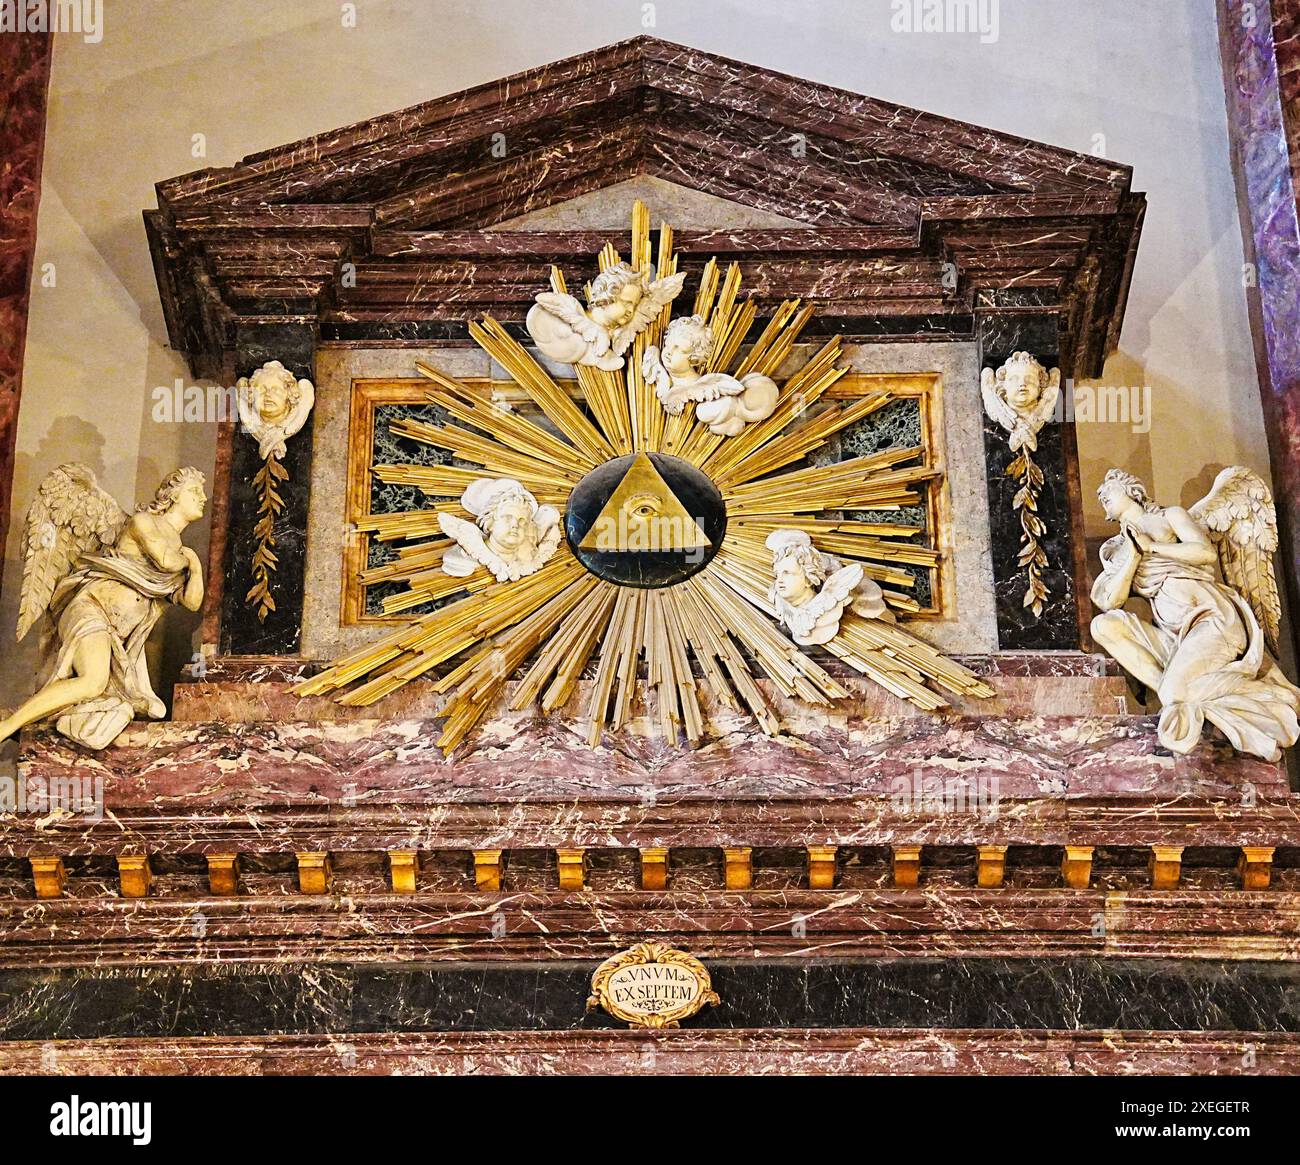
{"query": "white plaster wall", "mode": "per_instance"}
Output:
(249, 75)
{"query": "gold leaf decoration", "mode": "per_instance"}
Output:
(1032, 557)
(269, 507)
(717, 630)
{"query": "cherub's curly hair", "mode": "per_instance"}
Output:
(514, 493)
(606, 286)
(274, 369)
(693, 335)
(809, 558)
(170, 490)
(1028, 360)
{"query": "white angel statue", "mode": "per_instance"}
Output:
(273, 406)
(680, 375)
(103, 579)
(810, 589)
(514, 536)
(1020, 397)
(1205, 649)
(621, 303)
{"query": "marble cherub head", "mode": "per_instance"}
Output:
(612, 297)
(273, 406)
(679, 372)
(621, 303)
(512, 535)
(687, 346)
(1021, 396)
(810, 590)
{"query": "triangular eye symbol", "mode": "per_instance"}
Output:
(643, 514)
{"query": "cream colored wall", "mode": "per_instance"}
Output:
(249, 75)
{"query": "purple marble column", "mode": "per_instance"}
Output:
(24, 78)
(1260, 42)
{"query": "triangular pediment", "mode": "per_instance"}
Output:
(813, 153)
(889, 221)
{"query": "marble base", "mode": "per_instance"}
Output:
(525, 782)
(848, 1051)
(243, 690)
(361, 923)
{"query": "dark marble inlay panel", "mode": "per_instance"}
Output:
(242, 633)
(389, 448)
(1018, 628)
(896, 426)
(1065, 995)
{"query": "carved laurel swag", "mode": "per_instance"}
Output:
(1032, 557)
(270, 505)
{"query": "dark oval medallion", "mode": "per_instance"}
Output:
(645, 520)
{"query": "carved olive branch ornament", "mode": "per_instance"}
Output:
(1032, 558)
(270, 504)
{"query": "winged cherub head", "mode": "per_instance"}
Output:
(799, 568)
(1022, 381)
(508, 522)
(614, 294)
(273, 405)
(688, 344)
(275, 392)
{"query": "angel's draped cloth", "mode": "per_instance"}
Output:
(1231, 681)
(78, 613)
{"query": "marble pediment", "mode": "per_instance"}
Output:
(893, 223)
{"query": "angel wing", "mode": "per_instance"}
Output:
(998, 410)
(713, 385)
(71, 516)
(657, 296)
(654, 372)
(569, 310)
(1239, 514)
(836, 591)
(549, 523)
(1046, 407)
(468, 538)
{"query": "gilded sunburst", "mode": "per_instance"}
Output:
(716, 628)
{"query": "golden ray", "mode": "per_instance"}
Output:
(508, 429)
(715, 632)
(545, 393)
